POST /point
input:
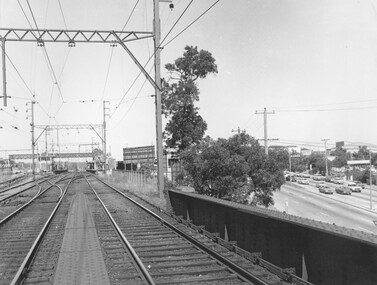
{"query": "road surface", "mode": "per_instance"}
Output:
(351, 211)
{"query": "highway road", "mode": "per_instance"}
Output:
(351, 211)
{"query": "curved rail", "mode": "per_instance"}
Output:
(139, 263)
(18, 278)
(20, 185)
(230, 264)
(26, 204)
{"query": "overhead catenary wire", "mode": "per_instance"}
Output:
(179, 18)
(129, 17)
(61, 10)
(55, 81)
(193, 22)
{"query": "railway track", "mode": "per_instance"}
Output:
(171, 252)
(83, 231)
(16, 197)
(22, 231)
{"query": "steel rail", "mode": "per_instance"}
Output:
(27, 204)
(18, 185)
(14, 194)
(18, 278)
(140, 264)
(239, 270)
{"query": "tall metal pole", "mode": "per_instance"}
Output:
(265, 113)
(104, 149)
(325, 140)
(265, 132)
(32, 138)
(4, 72)
(157, 67)
(370, 179)
(104, 131)
(46, 150)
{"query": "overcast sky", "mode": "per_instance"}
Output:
(312, 62)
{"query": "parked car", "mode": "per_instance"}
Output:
(303, 181)
(326, 189)
(339, 181)
(319, 184)
(343, 190)
(353, 187)
(293, 179)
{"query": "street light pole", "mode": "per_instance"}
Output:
(370, 179)
(325, 140)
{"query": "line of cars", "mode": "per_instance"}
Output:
(345, 188)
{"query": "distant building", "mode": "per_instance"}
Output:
(133, 157)
(348, 147)
(306, 151)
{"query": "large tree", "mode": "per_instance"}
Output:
(180, 92)
(232, 169)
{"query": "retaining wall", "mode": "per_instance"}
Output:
(323, 253)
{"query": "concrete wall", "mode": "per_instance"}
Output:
(326, 253)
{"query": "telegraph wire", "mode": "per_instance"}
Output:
(328, 110)
(329, 104)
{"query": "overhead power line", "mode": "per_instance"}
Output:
(129, 17)
(327, 104)
(193, 22)
(55, 81)
(61, 10)
(328, 110)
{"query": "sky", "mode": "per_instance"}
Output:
(312, 64)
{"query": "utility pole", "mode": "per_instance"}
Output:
(326, 140)
(104, 132)
(370, 179)
(32, 137)
(4, 72)
(46, 136)
(157, 69)
(265, 113)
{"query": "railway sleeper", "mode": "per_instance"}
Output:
(184, 271)
(189, 280)
(164, 249)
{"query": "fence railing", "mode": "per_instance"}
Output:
(137, 177)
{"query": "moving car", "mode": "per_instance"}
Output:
(353, 187)
(338, 181)
(319, 184)
(325, 189)
(343, 190)
(303, 181)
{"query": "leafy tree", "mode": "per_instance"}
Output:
(341, 157)
(281, 156)
(232, 169)
(185, 127)
(318, 162)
